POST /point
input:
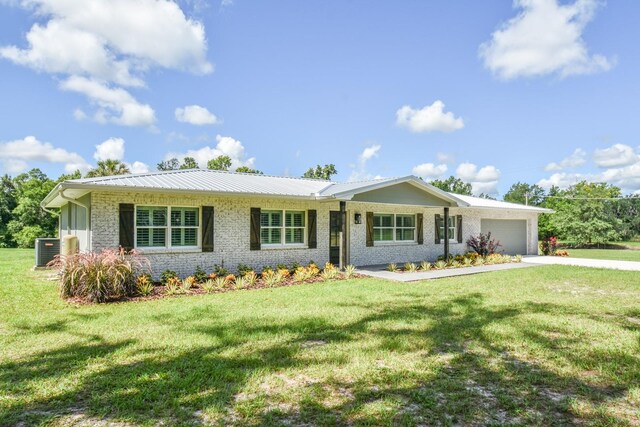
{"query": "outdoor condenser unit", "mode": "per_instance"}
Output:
(46, 249)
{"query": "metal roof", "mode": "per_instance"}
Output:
(482, 203)
(220, 182)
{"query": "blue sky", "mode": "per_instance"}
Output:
(493, 92)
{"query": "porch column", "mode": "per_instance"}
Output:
(343, 234)
(446, 234)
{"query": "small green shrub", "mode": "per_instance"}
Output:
(300, 275)
(200, 275)
(410, 267)
(467, 262)
(425, 265)
(144, 285)
(349, 271)
(166, 275)
(282, 267)
(251, 279)
(187, 284)
(220, 282)
(209, 286)
(172, 287)
(240, 283)
(243, 269)
(294, 267)
(392, 267)
(329, 273)
(220, 270)
(517, 258)
(440, 265)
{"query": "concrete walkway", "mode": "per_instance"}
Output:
(582, 262)
(380, 272)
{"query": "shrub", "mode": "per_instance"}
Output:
(100, 277)
(209, 286)
(271, 278)
(479, 261)
(392, 267)
(294, 267)
(549, 246)
(188, 283)
(243, 269)
(172, 287)
(425, 265)
(561, 253)
(251, 278)
(483, 244)
(349, 271)
(200, 275)
(410, 267)
(455, 264)
(220, 282)
(300, 275)
(220, 270)
(518, 258)
(440, 265)
(240, 283)
(265, 269)
(166, 275)
(282, 267)
(467, 262)
(144, 285)
(329, 272)
(230, 279)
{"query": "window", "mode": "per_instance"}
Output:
(394, 227)
(153, 229)
(452, 229)
(273, 229)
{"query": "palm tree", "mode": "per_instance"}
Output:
(108, 167)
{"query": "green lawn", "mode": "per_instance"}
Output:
(546, 345)
(613, 254)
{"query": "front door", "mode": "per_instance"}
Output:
(335, 226)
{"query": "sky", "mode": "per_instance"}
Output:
(492, 92)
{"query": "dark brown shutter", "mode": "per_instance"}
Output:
(126, 225)
(254, 240)
(312, 233)
(459, 228)
(369, 228)
(419, 228)
(207, 229)
(438, 221)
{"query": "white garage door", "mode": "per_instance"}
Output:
(512, 234)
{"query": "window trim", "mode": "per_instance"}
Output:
(283, 229)
(394, 227)
(452, 238)
(167, 228)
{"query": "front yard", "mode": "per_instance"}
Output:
(545, 345)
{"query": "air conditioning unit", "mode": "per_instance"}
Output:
(46, 249)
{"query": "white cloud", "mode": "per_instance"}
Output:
(429, 170)
(615, 156)
(104, 45)
(115, 105)
(112, 148)
(14, 155)
(544, 38)
(225, 146)
(138, 167)
(445, 158)
(483, 180)
(359, 172)
(195, 115)
(576, 159)
(430, 118)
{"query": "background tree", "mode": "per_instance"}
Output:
(584, 213)
(453, 185)
(247, 169)
(108, 167)
(519, 191)
(189, 163)
(220, 163)
(7, 205)
(628, 211)
(321, 172)
(168, 165)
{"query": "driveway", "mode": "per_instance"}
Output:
(582, 262)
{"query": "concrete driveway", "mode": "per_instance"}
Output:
(582, 262)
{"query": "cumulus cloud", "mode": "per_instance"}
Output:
(576, 159)
(615, 156)
(112, 148)
(16, 154)
(138, 167)
(226, 145)
(446, 158)
(544, 38)
(114, 105)
(430, 118)
(195, 115)
(110, 43)
(429, 170)
(483, 180)
(359, 172)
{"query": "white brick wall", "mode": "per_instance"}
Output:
(232, 228)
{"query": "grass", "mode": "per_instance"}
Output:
(547, 345)
(612, 254)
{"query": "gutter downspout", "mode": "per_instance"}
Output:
(86, 207)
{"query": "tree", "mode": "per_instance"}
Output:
(453, 185)
(584, 215)
(220, 163)
(321, 172)
(628, 211)
(247, 169)
(7, 205)
(108, 167)
(68, 176)
(189, 163)
(522, 193)
(168, 165)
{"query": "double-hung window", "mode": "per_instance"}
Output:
(282, 227)
(394, 228)
(452, 229)
(167, 226)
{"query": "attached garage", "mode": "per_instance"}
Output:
(512, 234)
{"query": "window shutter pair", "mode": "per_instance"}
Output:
(439, 222)
(127, 227)
(254, 236)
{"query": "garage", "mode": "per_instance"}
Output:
(512, 234)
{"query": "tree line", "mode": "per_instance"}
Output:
(585, 213)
